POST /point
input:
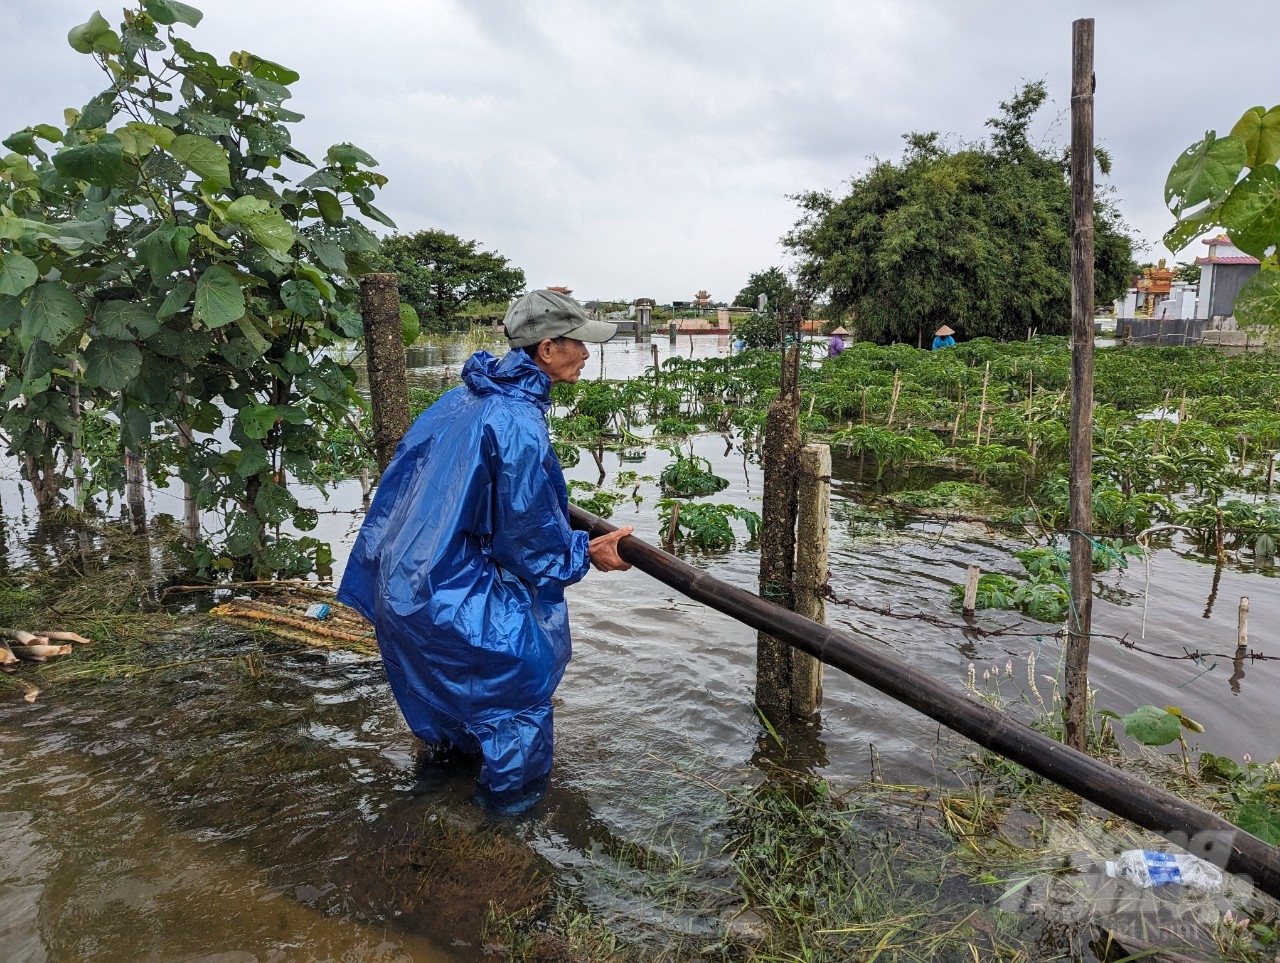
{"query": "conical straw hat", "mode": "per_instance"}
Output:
(840, 330)
(943, 331)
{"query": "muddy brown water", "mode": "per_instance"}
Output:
(220, 814)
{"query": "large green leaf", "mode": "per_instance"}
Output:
(203, 156)
(125, 320)
(264, 223)
(1260, 131)
(51, 313)
(1206, 171)
(101, 162)
(98, 111)
(169, 12)
(1258, 302)
(176, 300)
(94, 36)
(300, 297)
(274, 503)
(1152, 726)
(330, 206)
(156, 252)
(10, 312)
(110, 364)
(1261, 820)
(219, 298)
(1251, 212)
(17, 273)
(348, 155)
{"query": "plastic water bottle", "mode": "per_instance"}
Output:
(1145, 868)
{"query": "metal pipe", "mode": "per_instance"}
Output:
(1200, 832)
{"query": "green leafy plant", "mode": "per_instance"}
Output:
(1233, 182)
(166, 255)
(1153, 726)
(706, 525)
(689, 476)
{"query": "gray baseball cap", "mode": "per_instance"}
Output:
(546, 314)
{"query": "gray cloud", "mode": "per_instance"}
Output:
(648, 147)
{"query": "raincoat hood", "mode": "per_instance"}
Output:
(514, 375)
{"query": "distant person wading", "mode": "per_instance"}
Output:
(464, 556)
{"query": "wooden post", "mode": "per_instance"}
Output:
(1080, 623)
(133, 491)
(1271, 471)
(385, 359)
(657, 372)
(812, 528)
(778, 534)
(971, 590)
(1242, 623)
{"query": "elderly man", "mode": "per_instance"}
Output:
(466, 551)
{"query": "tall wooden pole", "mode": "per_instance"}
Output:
(385, 359)
(1076, 686)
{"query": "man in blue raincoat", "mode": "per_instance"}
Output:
(464, 556)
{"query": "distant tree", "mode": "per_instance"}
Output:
(1188, 272)
(978, 238)
(441, 274)
(772, 283)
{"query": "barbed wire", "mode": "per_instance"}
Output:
(1007, 631)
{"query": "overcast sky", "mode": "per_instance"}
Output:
(631, 149)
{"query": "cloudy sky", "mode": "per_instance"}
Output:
(629, 148)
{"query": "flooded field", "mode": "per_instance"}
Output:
(278, 808)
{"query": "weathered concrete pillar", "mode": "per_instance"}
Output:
(812, 530)
(385, 359)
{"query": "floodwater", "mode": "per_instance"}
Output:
(277, 810)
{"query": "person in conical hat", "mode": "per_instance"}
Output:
(836, 343)
(942, 338)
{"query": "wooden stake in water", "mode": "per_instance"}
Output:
(1242, 623)
(971, 589)
(982, 410)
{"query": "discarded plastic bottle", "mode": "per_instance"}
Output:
(1145, 868)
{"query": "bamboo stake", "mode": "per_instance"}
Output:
(893, 400)
(1242, 623)
(982, 410)
(1126, 795)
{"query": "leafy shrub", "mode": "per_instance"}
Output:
(706, 525)
(689, 476)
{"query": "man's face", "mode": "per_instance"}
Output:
(562, 359)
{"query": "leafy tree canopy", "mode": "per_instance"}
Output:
(772, 283)
(978, 237)
(159, 260)
(441, 275)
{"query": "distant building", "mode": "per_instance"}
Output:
(1223, 273)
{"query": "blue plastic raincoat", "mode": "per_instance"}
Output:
(461, 565)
